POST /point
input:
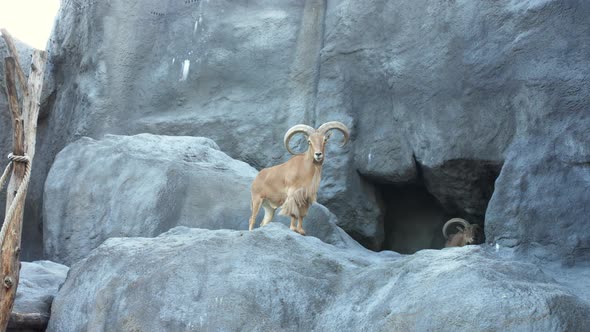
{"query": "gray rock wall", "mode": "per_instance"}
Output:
(542, 199)
(481, 103)
(459, 88)
(240, 73)
(437, 93)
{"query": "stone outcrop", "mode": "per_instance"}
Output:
(273, 279)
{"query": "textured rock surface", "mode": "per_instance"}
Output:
(226, 280)
(38, 284)
(144, 185)
(542, 199)
(459, 86)
(239, 72)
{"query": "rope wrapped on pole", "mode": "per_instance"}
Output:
(9, 215)
(5, 175)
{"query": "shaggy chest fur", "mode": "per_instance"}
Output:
(300, 198)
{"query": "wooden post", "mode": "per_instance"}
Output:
(24, 144)
(12, 51)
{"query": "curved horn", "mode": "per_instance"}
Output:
(300, 128)
(323, 129)
(452, 221)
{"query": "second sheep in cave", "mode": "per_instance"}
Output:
(467, 234)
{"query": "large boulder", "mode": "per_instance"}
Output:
(38, 284)
(194, 279)
(144, 185)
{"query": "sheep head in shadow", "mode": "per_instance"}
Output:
(467, 233)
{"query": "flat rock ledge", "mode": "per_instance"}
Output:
(273, 279)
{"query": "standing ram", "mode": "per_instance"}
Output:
(468, 234)
(293, 185)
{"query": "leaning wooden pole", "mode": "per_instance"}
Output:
(12, 51)
(24, 133)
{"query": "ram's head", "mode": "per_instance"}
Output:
(467, 233)
(316, 138)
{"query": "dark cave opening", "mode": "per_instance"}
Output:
(414, 212)
(413, 219)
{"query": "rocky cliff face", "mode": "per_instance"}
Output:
(442, 97)
(449, 93)
(467, 109)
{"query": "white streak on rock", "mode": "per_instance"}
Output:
(185, 67)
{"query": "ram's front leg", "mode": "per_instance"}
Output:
(300, 226)
(292, 227)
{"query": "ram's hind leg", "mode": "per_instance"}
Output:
(256, 202)
(269, 213)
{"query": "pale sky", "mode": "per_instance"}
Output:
(29, 20)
